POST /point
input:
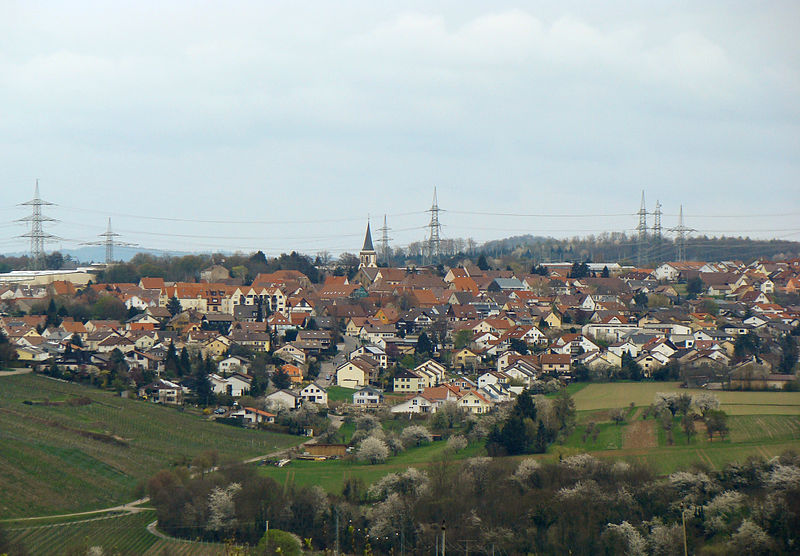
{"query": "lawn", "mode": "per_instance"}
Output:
(340, 394)
(621, 394)
(70, 458)
(332, 474)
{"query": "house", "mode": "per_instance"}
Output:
(253, 416)
(415, 404)
(465, 357)
(294, 373)
(492, 377)
(286, 398)
(236, 385)
(232, 364)
(555, 363)
(290, 352)
(163, 391)
(354, 373)
(475, 402)
(407, 381)
(368, 397)
(374, 352)
(314, 393)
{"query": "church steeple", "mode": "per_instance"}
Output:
(368, 256)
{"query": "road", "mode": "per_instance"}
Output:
(328, 368)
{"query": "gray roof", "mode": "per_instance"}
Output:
(368, 241)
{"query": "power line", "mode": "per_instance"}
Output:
(37, 234)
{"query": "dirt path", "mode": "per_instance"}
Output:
(17, 372)
(640, 434)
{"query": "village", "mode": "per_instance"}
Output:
(411, 339)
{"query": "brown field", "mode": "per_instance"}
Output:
(640, 434)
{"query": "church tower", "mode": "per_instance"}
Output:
(368, 256)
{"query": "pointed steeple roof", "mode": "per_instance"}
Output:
(368, 241)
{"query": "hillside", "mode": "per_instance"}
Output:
(88, 449)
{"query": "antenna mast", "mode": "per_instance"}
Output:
(37, 235)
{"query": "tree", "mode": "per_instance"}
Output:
(747, 344)
(203, 388)
(688, 427)
(579, 270)
(605, 273)
(519, 346)
(694, 286)
(373, 450)
(174, 306)
(716, 422)
(7, 351)
(415, 435)
(482, 262)
(705, 402)
(788, 353)
(462, 338)
(618, 416)
(280, 379)
(424, 345)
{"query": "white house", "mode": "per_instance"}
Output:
(286, 398)
(368, 397)
(417, 404)
(232, 364)
(314, 393)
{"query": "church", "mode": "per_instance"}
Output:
(368, 257)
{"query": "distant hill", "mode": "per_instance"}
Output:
(620, 247)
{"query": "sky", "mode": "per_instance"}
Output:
(225, 126)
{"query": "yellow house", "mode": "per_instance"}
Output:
(465, 357)
(406, 381)
(553, 320)
(215, 347)
(474, 402)
(352, 375)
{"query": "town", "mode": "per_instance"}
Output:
(369, 364)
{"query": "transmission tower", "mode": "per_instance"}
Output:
(385, 242)
(680, 240)
(37, 235)
(642, 230)
(657, 231)
(110, 242)
(434, 232)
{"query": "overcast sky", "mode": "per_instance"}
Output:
(284, 125)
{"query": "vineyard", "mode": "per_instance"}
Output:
(123, 535)
(61, 458)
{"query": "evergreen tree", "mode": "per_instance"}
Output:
(483, 264)
(185, 366)
(171, 363)
(424, 345)
(280, 379)
(202, 385)
(605, 273)
(788, 353)
(174, 306)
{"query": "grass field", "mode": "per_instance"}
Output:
(64, 458)
(340, 394)
(332, 474)
(124, 535)
(621, 394)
